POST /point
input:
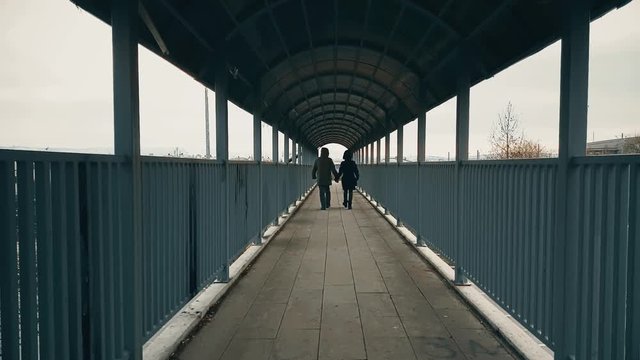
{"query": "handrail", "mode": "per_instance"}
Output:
(32, 155)
(606, 159)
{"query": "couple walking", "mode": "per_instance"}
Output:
(324, 168)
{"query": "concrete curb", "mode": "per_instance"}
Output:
(166, 340)
(520, 339)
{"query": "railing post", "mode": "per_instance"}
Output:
(274, 154)
(422, 135)
(387, 153)
(124, 17)
(222, 153)
(301, 171)
(257, 156)
(462, 154)
(399, 160)
(286, 168)
(8, 262)
(574, 72)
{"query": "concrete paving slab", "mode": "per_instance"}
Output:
(339, 294)
(382, 326)
(477, 343)
(262, 321)
(296, 344)
(389, 348)
(436, 348)
(248, 349)
(376, 304)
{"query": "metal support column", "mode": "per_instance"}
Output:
(387, 155)
(274, 143)
(124, 17)
(399, 160)
(286, 149)
(574, 72)
(366, 154)
(378, 160)
(257, 156)
(222, 152)
(387, 149)
(303, 187)
(275, 156)
(372, 158)
(422, 135)
(462, 154)
(400, 143)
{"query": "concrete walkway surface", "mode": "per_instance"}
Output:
(341, 284)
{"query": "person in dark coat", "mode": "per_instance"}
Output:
(350, 175)
(323, 168)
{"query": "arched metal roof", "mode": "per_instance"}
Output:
(347, 71)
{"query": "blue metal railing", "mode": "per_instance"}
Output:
(61, 247)
(496, 220)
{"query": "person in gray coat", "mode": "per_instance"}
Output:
(323, 168)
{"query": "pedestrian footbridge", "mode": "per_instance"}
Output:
(99, 254)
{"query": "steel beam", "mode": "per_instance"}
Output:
(257, 137)
(124, 20)
(286, 149)
(222, 153)
(462, 153)
(274, 143)
(257, 156)
(422, 136)
(387, 150)
(574, 79)
(400, 143)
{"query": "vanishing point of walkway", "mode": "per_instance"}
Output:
(341, 284)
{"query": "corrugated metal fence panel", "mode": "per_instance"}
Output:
(607, 223)
(437, 194)
(209, 253)
(407, 194)
(269, 193)
(59, 249)
(507, 215)
(244, 182)
(166, 199)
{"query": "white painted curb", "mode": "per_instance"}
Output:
(166, 341)
(525, 343)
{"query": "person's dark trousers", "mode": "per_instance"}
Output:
(348, 198)
(325, 197)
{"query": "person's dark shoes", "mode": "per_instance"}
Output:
(344, 204)
(323, 208)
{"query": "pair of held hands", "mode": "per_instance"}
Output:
(336, 179)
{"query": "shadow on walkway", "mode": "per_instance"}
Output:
(341, 284)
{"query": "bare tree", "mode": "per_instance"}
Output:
(508, 141)
(505, 134)
(631, 145)
(529, 149)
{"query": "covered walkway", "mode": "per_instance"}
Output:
(341, 284)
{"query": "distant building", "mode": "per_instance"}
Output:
(608, 147)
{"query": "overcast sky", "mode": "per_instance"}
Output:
(56, 90)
